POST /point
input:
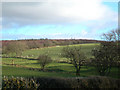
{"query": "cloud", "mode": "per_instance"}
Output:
(111, 0)
(56, 34)
(50, 36)
(92, 14)
(50, 0)
(54, 12)
(83, 32)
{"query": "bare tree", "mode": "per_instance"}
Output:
(108, 53)
(76, 56)
(44, 60)
(104, 57)
(113, 35)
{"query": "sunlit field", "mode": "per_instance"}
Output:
(58, 68)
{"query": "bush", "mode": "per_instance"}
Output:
(43, 60)
(75, 82)
(79, 82)
(19, 83)
(104, 57)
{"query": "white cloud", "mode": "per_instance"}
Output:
(83, 32)
(49, 0)
(55, 12)
(55, 34)
(111, 0)
(0, 28)
(92, 14)
(84, 10)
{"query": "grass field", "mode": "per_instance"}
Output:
(52, 71)
(55, 52)
(55, 69)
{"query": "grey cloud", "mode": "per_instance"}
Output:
(16, 14)
(31, 13)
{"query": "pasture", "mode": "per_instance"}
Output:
(55, 52)
(29, 67)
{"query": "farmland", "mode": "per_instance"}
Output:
(27, 66)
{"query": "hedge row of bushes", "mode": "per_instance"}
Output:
(77, 82)
(18, 83)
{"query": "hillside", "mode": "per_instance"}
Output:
(60, 67)
(39, 43)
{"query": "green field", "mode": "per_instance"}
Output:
(55, 52)
(56, 69)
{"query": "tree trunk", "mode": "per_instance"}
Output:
(12, 62)
(77, 72)
(42, 68)
(118, 70)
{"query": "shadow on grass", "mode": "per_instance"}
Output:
(55, 69)
(21, 58)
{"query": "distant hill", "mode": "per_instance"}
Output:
(39, 43)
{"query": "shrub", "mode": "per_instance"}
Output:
(104, 57)
(43, 60)
(79, 82)
(19, 83)
(95, 82)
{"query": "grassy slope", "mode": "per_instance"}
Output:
(65, 71)
(22, 72)
(60, 69)
(55, 52)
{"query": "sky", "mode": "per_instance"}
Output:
(58, 19)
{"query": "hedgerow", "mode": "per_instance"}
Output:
(18, 83)
(98, 82)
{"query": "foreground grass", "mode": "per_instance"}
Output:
(24, 72)
(54, 53)
(54, 69)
